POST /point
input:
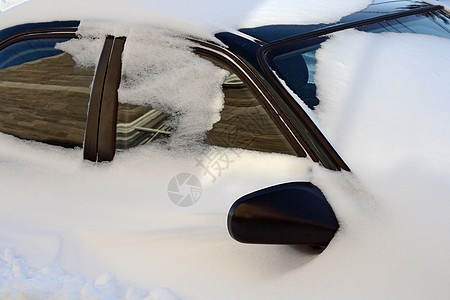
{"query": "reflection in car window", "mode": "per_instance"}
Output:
(43, 95)
(436, 23)
(296, 63)
(297, 68)
(244, 122)
(139, 125)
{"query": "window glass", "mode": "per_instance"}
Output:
(244, 122)
(297, 68)
(295, 63)
(434, 23)
(138, 125)
(44, 96)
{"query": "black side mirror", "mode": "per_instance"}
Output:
(295, 213)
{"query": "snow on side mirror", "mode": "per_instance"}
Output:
(295, 213)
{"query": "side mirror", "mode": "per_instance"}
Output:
(295, 213)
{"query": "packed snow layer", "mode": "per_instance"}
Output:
(201, 17)
(117, 218)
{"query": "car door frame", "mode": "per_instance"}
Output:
(100, 136)
(102, 106)
(296, 128)
(266, 95)
(100, 131)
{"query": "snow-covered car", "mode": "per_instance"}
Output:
(181, 126)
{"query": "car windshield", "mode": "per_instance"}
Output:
(295, 63)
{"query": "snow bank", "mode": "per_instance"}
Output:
(200, 18)
(20, 281)
(117, 217)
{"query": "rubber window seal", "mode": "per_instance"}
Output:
(92, 124)
(106, 147)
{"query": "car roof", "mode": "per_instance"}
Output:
(272, 33)
(247, 41)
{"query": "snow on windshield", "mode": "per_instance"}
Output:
(385, 107)
(398, 111)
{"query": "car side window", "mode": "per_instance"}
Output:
(44, 96)
(244, 122)
(138, 125)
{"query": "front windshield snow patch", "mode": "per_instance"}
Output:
(384, 97)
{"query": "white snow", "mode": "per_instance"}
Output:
(167, 75)
(7, 4)
(20, 281)
(199, 18)
(397, 111)
(444, 3)
(109, 230)
(384, 106)
(117, 217)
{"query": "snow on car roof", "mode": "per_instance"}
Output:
(199, 18)
(275, 32)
